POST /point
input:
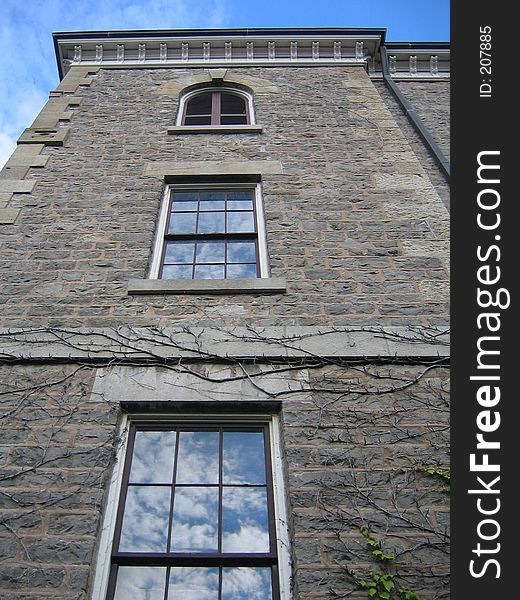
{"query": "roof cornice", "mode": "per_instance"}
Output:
(183, 48)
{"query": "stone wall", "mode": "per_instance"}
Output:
(353, 222)
(357, 441)
(56, 449)
(355, 226)
(431, 101)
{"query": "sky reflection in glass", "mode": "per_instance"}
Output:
(177, 272)
(241, 252)
(145, 524)
(152, 461)
(179, 252)
(244, 459)
(241, 271)
(198, 457)
(195, 520)
(246, 583)
(211, 252)
(244, 520)
(140, 583)
(193, 583)
(211, 222)
(238, 222)
(182, 223)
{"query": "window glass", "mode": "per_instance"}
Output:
(195, 519)
(195, 506)
(140, 583)
(216, 107)
(205, 236)
(193, 583)
(199, 104)
(145, 524)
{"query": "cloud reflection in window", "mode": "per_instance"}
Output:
(140, 583)
(145, 524)
(193, 583)
(195, 520)
(244, 520)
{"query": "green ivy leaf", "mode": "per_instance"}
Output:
(372, 592)
(388, 585)
(384, 595)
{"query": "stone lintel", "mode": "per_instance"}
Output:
(213, 167)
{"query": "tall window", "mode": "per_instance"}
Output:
(212, 233)
(196, 515)
(216, 107)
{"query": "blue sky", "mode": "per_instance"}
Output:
(28, 66)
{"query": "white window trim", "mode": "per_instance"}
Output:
(185, 97)
(103, 559)
(263, 263)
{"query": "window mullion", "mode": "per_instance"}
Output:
(220, 490)
(215, 108)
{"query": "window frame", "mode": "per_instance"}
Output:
(104, 576)
(185, 98)
(162, 236)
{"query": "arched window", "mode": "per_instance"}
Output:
(218, 106)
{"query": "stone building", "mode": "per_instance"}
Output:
(223, 312)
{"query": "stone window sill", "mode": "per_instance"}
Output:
(189, 129)
(207, 286)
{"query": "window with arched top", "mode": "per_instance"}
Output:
(217, 106)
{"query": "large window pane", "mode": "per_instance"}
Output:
(179, 252)
(212, 200)
(233, 120)
(145, 524)
(140, 583)
(238, 222)
(244, 458)
(232, 104)
(177, 272)
(205, 120)
(241, 272)
(193, 583)
(198, 458)
(211, 252)
(152, 459)
(199, 104)
(211, 222)
(195, 519)
(246, 583)
(185, 201)
(244, 520)
(209, 272)
(241, 252)
(182, 223)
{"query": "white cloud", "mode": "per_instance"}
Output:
(7, 146)
(27, 62)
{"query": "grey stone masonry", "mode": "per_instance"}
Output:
(346, 339)
(358, 441)
(431, 101)
(353, 223)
